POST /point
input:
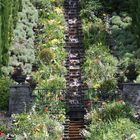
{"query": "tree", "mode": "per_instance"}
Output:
(8, 17)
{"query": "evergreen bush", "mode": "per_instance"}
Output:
(23, 50)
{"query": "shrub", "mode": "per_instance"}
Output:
(113, 121)
(4, 93)
(116, 20)
(23, 50)
(108, 90)
(112, 111)
(50, 75)
(47, 55)
(100, 65)
(90, 7)
(121, 129)
(37, 126)
(4, 128)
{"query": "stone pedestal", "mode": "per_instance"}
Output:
(20, 99)
(131, 94)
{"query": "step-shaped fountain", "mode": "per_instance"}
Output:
(75, 88)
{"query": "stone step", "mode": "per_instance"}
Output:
(73, 138)
(74, 130)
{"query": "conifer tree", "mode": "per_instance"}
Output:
(8, 18)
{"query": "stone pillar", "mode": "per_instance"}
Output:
(131, 94)
(20, 99)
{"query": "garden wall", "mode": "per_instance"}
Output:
(131, 94)
(20, 99)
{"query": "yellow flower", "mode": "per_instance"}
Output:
(54, 42)
(96, 86)
(51, 21)
(48, 94)
(58, 10)
(61, 27)
(53, 0)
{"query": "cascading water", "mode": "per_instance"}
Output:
(75, 87)
(75, 48)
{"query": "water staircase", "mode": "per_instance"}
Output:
(75, 88)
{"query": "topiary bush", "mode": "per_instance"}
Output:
(47, 56)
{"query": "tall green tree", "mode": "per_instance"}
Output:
(135, 12)
(8, 17)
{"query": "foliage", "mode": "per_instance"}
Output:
(22, 50)
(100, 66)
(5, 30)
(47, 56)
(94, 32)
(124, 39)
(108, 90)
(52, 86)
(118, 37)
(116, 5)
(125, 47)
(112, 111)
(113, 121)
(51, 101)
(8, 19)
(4, 128)
(120, 129)
(4, 93)
(50, 75)
(90, 8)
(37, 126)
(109, 43)
(135, 12)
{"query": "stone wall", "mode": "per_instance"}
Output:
(131, 94)
(20, 99)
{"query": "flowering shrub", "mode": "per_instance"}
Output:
(120, 129)
(99, 66)
(37, 126)
(50, 75)
(112, 121)
(112, 111)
